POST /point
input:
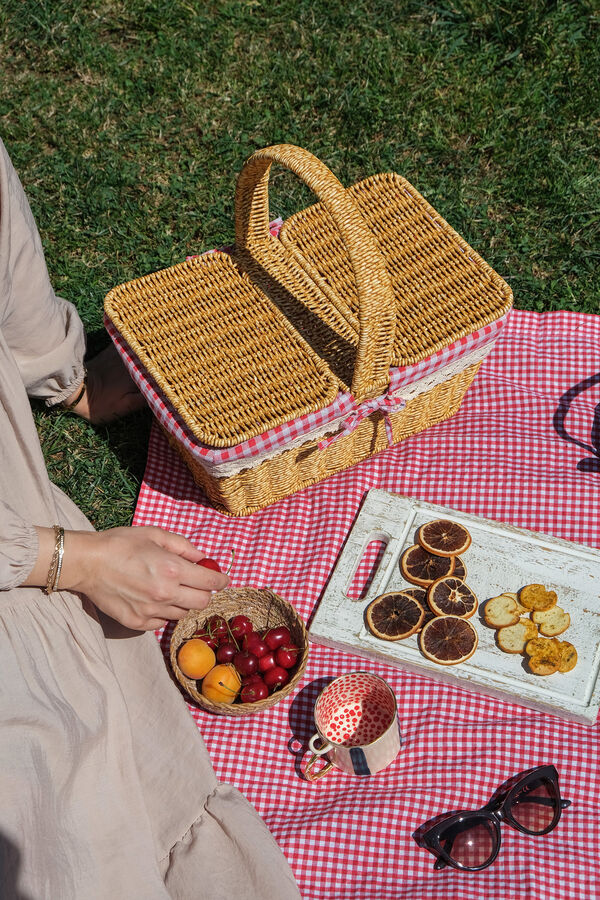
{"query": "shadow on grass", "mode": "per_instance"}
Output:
(99, 467)
(126, 438)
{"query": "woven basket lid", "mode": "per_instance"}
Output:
(367, 278)
(236, 343)
(219, 350)
(443, 289)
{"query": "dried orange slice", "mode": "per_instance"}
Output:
(429, 615)
(444, 538)
(420, 596)
(418, 593)
(423, 568)
(394, 616)
(448, 640)
(460, 570)
(452, 597)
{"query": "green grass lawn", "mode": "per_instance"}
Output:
(129, 121)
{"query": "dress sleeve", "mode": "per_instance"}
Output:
(18, 548)
(43, 331)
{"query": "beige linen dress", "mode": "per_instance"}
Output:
(106, 788)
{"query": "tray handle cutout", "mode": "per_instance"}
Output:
(367, 566)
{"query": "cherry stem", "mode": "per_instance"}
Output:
(233, 637)
(227, 688)
(231, 563)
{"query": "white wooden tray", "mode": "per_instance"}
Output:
(500, 558)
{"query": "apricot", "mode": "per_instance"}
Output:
(222, 684)
(195, 658)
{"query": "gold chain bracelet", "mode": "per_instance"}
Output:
(57, 560)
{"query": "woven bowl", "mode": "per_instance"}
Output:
(265, 610)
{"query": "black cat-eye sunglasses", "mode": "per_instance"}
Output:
(470, 839)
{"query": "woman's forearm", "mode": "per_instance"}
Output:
(78, 562)
(139, 576)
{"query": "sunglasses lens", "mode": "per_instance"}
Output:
(471, 843)
(536, 807)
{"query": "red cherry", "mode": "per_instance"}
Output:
(209, 563)
(226, 652)
(266, 662)
(287, 656)
(207, 638)
(255, 644)
(246, 663)
(240, 625)
(250, 679)
(276, 677)
(217, 627)
(250, 693)
(277, 637)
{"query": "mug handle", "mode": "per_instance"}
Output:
(318, 752)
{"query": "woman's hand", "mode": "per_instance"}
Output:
(139, 576)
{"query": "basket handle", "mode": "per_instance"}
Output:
(377, 312)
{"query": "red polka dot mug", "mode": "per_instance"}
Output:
(357, 726)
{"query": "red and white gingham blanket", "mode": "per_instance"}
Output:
(524, 449)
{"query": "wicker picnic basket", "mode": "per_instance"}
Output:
(368, 279)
